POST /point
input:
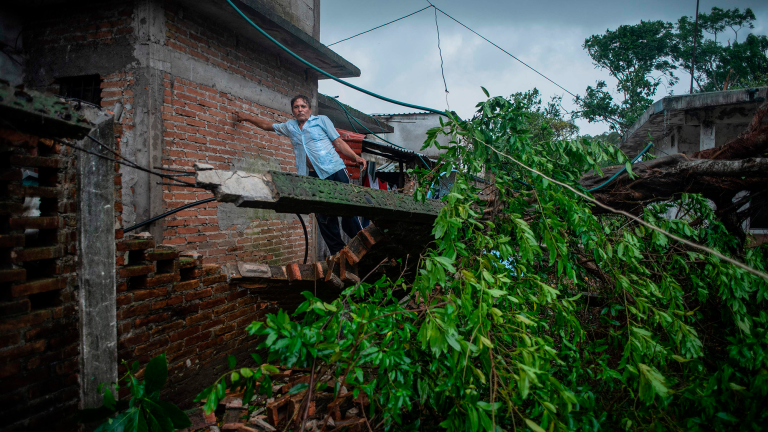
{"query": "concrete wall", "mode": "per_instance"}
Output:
(181, 77)
(411, 130)
(304, 14)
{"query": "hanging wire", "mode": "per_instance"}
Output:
(442, 67)
(503, 50)
(377, 27)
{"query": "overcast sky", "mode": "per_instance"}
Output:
(401, 60)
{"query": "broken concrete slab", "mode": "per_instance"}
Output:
(292, 193)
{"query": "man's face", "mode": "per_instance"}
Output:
(301, 111)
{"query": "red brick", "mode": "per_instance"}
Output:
(210, 280)
(23, 350)
(37, 254)
(186, 285)
(9, 369)
(25, 320)
(152, 319)
(138, 270)
(151, 346)
(12, 275)
(197, 294)
(196, 319)
(167, 328)
(133, 340)
(148, 294)
(132, 311)
(38, 286)
(184, 334)
(212, 303)
(196, 339)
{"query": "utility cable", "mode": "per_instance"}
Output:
(168, 213)
(636, 219)
(339, 80)
(442, 67)
(306, 237)
(372, 133)
(138, 167)
(503, 50)
(377, 27)
(621, 171)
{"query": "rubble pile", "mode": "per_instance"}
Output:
(327, 412)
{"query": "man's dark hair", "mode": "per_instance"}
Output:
(301, 96)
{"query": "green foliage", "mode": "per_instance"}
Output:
(546, 317)
(642, 56)
(546, 123)
(144, 411)
(631, 54)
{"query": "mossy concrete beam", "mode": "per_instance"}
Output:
(292, 193)
(40, 114)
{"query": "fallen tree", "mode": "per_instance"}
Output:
(545, 312)
(719, 174)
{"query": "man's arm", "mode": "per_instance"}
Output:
(343, 147)
(256, 121)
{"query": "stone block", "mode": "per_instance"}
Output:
(253, 270)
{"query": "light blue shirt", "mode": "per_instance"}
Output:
(315, 141)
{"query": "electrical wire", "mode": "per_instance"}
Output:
(138, 167)
(306, 237)
(168, 213)
(621, 171)
(372, 133)
(442, 67)
(503, 50)
(737, 263)
(377, 27)
(339, 80)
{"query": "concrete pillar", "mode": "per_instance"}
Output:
(96, 265)
(707, 136)
(148, 116)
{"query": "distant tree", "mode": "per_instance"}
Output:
(545, 122)
(632, 54)
(719, 65)
(643, 56)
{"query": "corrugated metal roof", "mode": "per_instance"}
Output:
(398, 114)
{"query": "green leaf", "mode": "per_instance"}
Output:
(485, 91)
(531, 424)
(231, 361)
(269, 369)
(156, 374)
(298, 388)
(178, 417)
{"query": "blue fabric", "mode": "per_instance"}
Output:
(315, 141)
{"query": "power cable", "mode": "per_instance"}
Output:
(737, 263)
(503, 50)
(377, 27)
(339, 80)
(372, 133)
(442, 67)
(168, 213)
(621, 171)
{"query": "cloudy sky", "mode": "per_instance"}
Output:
(401, 60)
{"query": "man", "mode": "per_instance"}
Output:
(313, 139)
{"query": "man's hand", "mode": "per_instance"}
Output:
(361, 161)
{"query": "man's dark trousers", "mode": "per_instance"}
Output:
(329, 225)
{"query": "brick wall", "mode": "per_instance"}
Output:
(200, 127)
(38, 318)
(173, 303)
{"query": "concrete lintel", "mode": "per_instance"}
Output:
(96, 264)
(292, 193)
